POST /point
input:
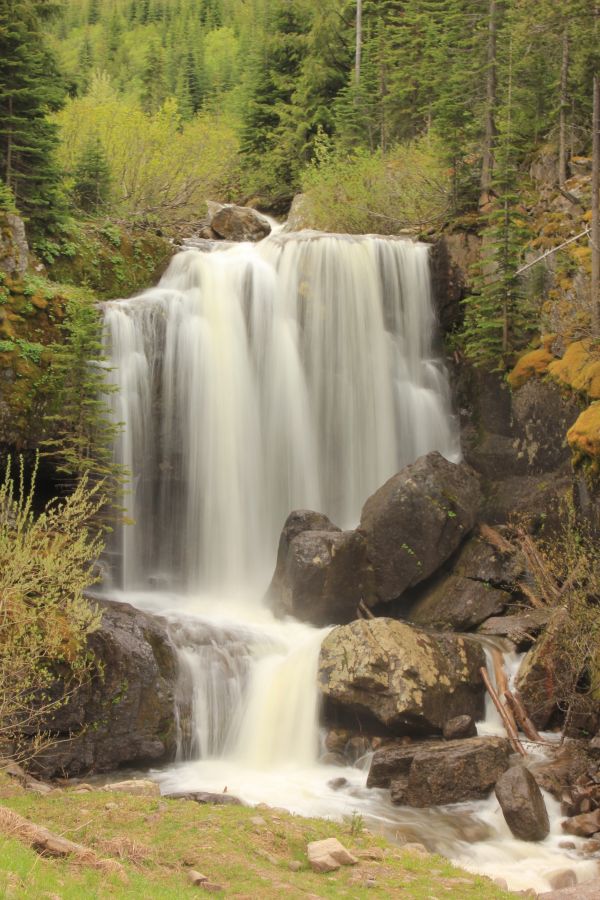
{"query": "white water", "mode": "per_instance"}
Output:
(253, 380)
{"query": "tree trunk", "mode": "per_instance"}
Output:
(562, 120)
(357, 58)
(487, 167)
(595, 233)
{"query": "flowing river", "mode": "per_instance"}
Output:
(300, 372)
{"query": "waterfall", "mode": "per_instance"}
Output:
(298, 372)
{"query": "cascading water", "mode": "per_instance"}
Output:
(257, 379)
(299, 372)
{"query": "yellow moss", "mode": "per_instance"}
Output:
(39, 302)
(579, 369)
(535, 362)
(584, 435)
(547, 341)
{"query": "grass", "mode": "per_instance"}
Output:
(158, 841)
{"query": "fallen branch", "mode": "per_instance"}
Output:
(510, 730)
(363, 611)
(502, 684)
(525, 723)
(46, 843)
(495, 539)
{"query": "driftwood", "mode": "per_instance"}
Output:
(495, 539)
(46, 843)
(502, 685)
(363, 611)
(510, 729)
(521, 717)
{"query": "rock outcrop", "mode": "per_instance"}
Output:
(522, 804)
(125, 714)
(458, 604)
(14, 249)
(237, 223)
(390, 678)
(416, 521)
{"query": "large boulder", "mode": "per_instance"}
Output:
(388, 677)
(125, 714)
(522, 804)
(416, 520)
(458, 604)
(392, 761)
(456, 771)
(237, 223)
(321, 574)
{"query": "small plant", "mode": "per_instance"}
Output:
(356, 824)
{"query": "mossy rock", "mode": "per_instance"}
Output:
(532, 364)
(579, 369)
(584, 435)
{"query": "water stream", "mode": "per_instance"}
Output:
(300, 372)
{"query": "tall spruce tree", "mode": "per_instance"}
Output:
(30, 87)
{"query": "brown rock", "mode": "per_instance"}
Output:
(328, 855)
(584, 825)
(204, 797)
(521, 629)
(392, 761)
(546, 672)
(522, 804)
(459, 727)
(456, 771)
(563, 878)
(458, 604)
(237, 223)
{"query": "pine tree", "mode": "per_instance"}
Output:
(154, 88)
(94, 12)
(30, 86)
(92, 177)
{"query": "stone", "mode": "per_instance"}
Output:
(452, 259)
(522, 629)
(458, 604)
(387, 677)
(237, 223)
(393, 761)
(399, 790)
(326, 576)
(196, 877)
(480, 560)
(563, 878)
(584, 825)
(205, 797)
(336, 784)
(522, 804)
(546, 672)
(586, 890)
(328, 855)
(415, 849)
(258, 821)
(125, 712)
(299, 214)
(501, 883)
(459, 727)
(294, 865)
(416, 521)
(14, 249)
(456, 771)
(141, 787)
(211, 886)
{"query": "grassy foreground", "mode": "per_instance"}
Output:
(250, 853)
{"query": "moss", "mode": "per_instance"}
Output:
(579, 369)
(584, 435)
(534, 363)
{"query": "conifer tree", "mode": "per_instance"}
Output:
(92, 177)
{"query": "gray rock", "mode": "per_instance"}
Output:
(480, 561)
(14, 249)
(459, 727)
(237, 223)
(394, 761)
(458, 604)
(456, 771)
(415, 522)
(126, 710)
(326, 576)
(205, 798)
(522, 804)
(299, 214)
(587, 890)
(386, 676)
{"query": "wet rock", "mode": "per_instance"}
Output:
(393, 761)
(456, 771)
(452, 258)
(458, 604)
(328, 855)
(522, 804)
(415, 522)
(459, 727)
(563, 878)
(587, 890)
(546, 672)
(14, 249)
(205, 798)
(389, 677)
(479, 560)
(399, 790)
(356, 748)
(336, 784)
(326, 576)
(584, 825)
(237, 223)
(299, 214)
(126, 708)
(521, 629)
(140, 788)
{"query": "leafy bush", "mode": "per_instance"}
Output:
(46, 563)
(361, 192)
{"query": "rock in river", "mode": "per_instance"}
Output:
(522, 804)
(416, 520)
(388, 677)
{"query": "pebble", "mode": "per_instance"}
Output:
(294, 865)
(196, 877)
(258, 820)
